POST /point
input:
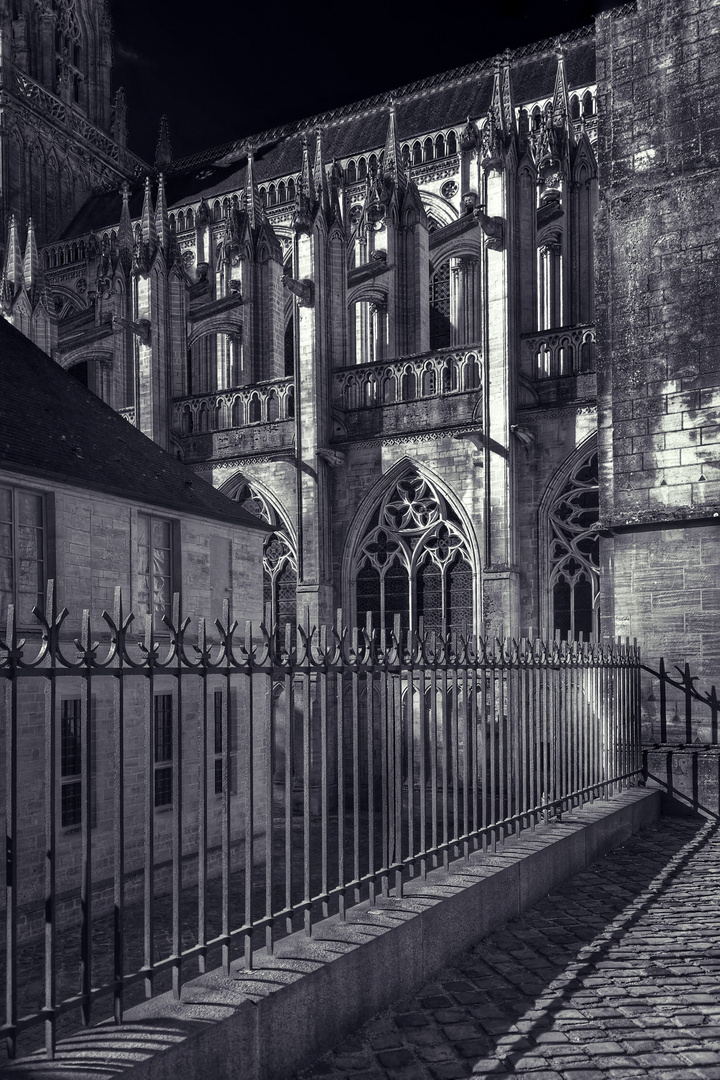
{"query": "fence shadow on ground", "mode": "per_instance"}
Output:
(507, 993)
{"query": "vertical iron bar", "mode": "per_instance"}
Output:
(118, 812)
(484, 786)
(502, 755)
(149, 823)
(50, 823)
(523, 676)
(177, 813)
(493, 750)
(225, 804)
(410, 709)
(306, 791)
(464, 715)
(444, 761)
(455, 743)
(663, 703)
(269, 820)
(324, 751)
(11, 852)
(355, 689)
(433, 753)
(202, 744)
(474, 767)
(86, 755)
(533, 729)
(249, 801)
(398, 746)
(422, 751)
(340, 698)
(385, 772)
(370, 723)
(289, 762)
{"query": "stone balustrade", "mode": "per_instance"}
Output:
(387, 383)
(259, 403)
(567, 350)
(129, 415)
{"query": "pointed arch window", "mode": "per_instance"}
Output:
(574, 557)
(414, 563)
(279, 564)
(440, 324)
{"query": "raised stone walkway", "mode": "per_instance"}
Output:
(614, 975)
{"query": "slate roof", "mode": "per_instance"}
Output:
(53, 428)
(439, 101)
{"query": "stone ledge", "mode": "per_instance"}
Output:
(267, 1023)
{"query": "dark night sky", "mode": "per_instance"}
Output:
(224, 69)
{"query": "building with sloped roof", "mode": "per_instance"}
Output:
(452, 343)
(91, 503)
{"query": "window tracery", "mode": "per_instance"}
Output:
(574, 581)
(414, 563)
(279, 564)
(440, 325)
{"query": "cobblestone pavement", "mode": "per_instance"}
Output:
(615, 975)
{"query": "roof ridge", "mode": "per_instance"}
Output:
(429, 82)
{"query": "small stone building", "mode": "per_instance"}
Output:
(89, 501)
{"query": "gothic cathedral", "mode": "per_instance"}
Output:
(456, 343)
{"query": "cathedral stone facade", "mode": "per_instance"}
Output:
(456, 343)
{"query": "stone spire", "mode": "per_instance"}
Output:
(162, 223)
(13, 260)
(31, 262)
(303, 217)
(506, 98)
(305, 173)
(321, 193)
(561, 98)
(147, 219)
(126, 240)
(336, 182)
(392, 159)
(163, 149)
(251, 196)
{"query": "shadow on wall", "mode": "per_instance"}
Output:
(681, 754)
(688, 778)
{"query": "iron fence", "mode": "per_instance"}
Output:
(676, 710)
(177, 801)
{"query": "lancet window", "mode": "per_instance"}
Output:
(67, 49)
(414, 563)
(454, 302)
(279, 564)
(574, 580)
(440, 325)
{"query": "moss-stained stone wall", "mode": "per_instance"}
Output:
(657, 280)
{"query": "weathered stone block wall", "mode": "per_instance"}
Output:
(95, 551)
(658, 265)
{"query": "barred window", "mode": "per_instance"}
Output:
(414, 563)
(155, 578)
(163, 749)
(574, 581)
(218, 716)
(22, 552)
(70, 763)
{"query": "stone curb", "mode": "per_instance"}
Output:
(297, 1004)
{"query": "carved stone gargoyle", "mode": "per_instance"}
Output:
(304, 289)
(494, 229)
(141, 328)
